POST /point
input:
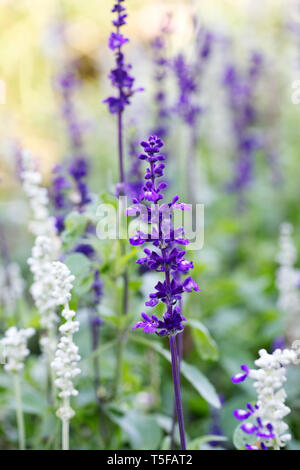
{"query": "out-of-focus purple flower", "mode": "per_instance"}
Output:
(187, 109)
(97, 287)
(58, 190)
(85, 249)
(278, 343)
(189, 74)
(165, 256)
(162, 66)
(241, 100)
(79, 168)
(76, 166)
(59, 223)
(216, 428)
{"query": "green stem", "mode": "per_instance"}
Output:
(65, 426)
(19, 412)
(65, 434)
(119, 366)
(52, 338)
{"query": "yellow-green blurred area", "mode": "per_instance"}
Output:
(32, 53)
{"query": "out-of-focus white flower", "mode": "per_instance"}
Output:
(42, 223)
(45, 251)
(66, 356)
(11, 286)
(42, 288)
(62, 282)
(287, 277)
(15, 347)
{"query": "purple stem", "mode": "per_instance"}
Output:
(179, 340)
(175, 360)
(176, 382)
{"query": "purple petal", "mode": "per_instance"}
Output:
(241, 414)
(248, 428)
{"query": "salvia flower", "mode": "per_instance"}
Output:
(264, 419)
(189, 74)
(241, 90)
(66, 356)
(119, 76)
(42, 224)
(165, 256)
(41, 290)
(162, 66)
(287, 276)
(11, 286)
(69, 188)
(15, 348)
(45, 250)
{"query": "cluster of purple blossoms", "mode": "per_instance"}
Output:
(69, 189)
(188, 78)
(185, 107)
(241, 100)
(166, 257)
(75, 187)
(161, 72)
(119, 76)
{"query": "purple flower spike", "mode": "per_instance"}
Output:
(165, 257)
(241, 376)
(119, 76)
(241, 88)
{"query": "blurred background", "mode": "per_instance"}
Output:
(246, 85)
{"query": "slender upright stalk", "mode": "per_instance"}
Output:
(175, 367)
(119, 365)
(19, 412)
(176, 382)
(179, 340)
(95, 344)
(65, 434)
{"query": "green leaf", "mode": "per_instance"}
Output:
(75, 224)
(240, 439)
(33, 401)
(191, 373)
(201, 384)
(204, 343)
(142, 430)
(78, 264)
(196, 444)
